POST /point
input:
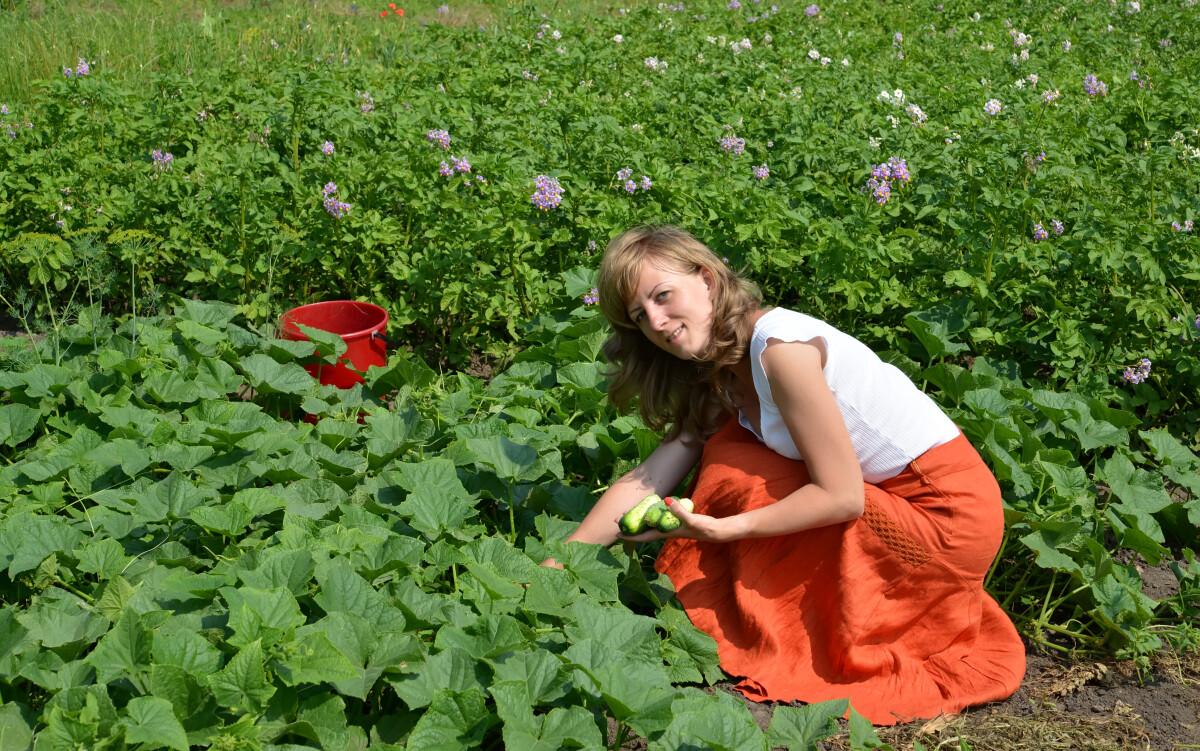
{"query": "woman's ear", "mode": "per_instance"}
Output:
(707, 276)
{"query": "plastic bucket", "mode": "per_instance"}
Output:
(361, 326)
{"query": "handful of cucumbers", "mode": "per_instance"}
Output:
(652, 513)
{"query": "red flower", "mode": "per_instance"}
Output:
(392, 6)
(383, 14)
(400, 12)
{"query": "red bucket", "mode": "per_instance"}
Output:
(361, 326)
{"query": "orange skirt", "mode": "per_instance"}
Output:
(888, 610)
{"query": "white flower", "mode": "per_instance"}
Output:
(813, 54)
(618, 39)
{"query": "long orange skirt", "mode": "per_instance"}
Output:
(888, 609)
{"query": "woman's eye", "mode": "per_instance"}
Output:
(641, 316)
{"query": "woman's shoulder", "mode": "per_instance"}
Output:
(788, 324)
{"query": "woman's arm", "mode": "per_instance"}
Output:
(812, 416)
(662, 471)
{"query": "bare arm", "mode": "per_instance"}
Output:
(812, 416)
(662, 471)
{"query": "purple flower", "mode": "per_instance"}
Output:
(591, 245)
(1056, 226)
(812, 10)
(1040, 157)
(337, 209)
(462, 165)
(592, 297)
(1185, 227)
(327, 147)
(1039, 234)
(3, 109)
(1049, 95)
(481, 180)
(440, 137)
(366, 102)
(1137, 374)
(733, 5)
(899, 168)
(82, 69)
(992, 107)
(630, 186)
(443, 10)
(882, 192)
(761, 172)
(445, 170)
(161, 161)
(548, 194)
(734, 144)
(646, 184)
(624, 174)
(1094, 86)
(68, 72)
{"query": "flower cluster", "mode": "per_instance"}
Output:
(1134, 7)
(443, 10)
(1137, 374)
(918, 115)
(548, 194)
(895, 98)
(812, 10)
(592, 297)
(366, 103)
(337, 209)
(653, 63)
(1185, 227)
(761, 172)
(1020, 39)
(1056, 226)
(1039, 233)
(456, 165)
(327, 148)
(440, 137)
(392, 9)
(81, 69)
(1066, 45)
(1049, 95)
(733, 5)
(1094, 86)
(162, 160)
(992, 107)
(618, 38)
(883, 175)
(737, 47)
(733, 143)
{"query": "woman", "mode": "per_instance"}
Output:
(843, 524)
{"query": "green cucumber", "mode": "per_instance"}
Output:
(653, 514)
(633, 521)
(669, 521)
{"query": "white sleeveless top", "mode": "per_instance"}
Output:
(891, 421)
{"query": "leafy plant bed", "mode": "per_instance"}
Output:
(183, 566)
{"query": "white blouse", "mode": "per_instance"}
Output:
(891, 421)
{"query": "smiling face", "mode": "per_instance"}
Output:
(673, 309)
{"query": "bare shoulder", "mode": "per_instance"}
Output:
(780, 356)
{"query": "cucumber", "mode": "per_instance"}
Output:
(633, 521)
(669, 521)
(653, 514)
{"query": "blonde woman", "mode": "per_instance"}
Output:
(843, 524)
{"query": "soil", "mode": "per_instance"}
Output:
(1061, 704)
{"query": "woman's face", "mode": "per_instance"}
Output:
(673, 309)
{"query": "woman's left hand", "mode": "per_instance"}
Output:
(692, 526)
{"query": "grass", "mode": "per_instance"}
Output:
(137, 37)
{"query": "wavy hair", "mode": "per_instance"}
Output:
(686, 395)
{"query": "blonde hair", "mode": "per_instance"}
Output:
(687, 395)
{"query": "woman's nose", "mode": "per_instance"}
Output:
(658, 319)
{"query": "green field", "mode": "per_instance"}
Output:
(189, 563)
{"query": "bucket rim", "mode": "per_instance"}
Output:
(287, 323)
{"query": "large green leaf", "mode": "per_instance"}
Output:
(799, 728)
(151, 721)
(17, 423)
(242, 686)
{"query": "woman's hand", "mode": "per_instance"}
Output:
(692, 526)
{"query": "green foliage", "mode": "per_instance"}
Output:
(184, 562)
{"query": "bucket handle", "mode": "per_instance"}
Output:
(386, 342)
